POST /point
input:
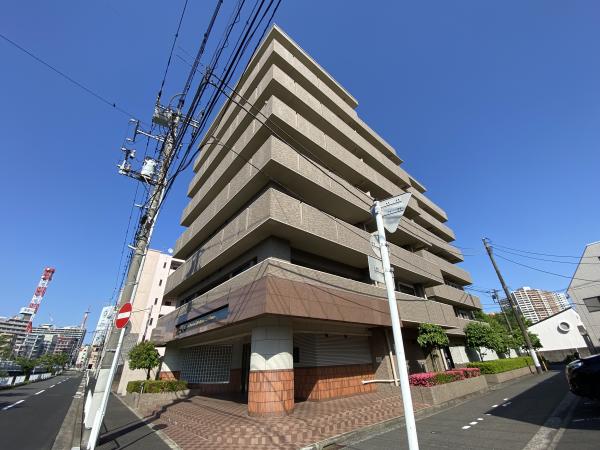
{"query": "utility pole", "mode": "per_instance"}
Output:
(520, 322)
(396, 211)
(496, 298)
(170, 118)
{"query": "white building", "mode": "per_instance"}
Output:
(561, 335)
(537, 304)
(103, 325)
(584, 291)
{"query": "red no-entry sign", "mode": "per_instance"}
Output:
(123, 315)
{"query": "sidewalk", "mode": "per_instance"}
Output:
(123, 429)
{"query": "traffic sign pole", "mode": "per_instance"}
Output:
(409, 415)
(121, 320)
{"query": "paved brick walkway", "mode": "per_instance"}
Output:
(209, 423)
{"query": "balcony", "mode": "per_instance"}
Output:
(449, 294)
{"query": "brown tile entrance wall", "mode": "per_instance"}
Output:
(234, 385)
(166, 375)
(322, 383)
(271, 392)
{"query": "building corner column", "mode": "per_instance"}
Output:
(271, 378)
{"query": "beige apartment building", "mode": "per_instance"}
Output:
(274, 301)
(148, 306)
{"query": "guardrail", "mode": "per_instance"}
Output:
(14, 380)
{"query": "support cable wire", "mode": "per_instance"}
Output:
(69, 78)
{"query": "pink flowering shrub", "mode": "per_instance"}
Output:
(429, 379)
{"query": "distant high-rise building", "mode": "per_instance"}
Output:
(537, 304)
(103, 325)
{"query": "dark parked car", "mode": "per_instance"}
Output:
(583, 376)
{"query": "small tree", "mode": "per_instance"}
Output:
(61, 359)
(432, 337)
(27, 365)
(480, 335)
(5, 346)
(144, 356)
(47, 361)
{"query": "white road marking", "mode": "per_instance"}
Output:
(494, 406)
(466, 427)
(505, 399)
(52, 385)
(473, 423)
(479, 418)
(487, 414)
(38, 393)
(14, 404)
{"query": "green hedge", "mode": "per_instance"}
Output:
(502, 365)
(156, 386)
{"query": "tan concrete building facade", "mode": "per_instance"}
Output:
(148, 306)
(274, 300)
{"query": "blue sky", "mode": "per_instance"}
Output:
(495, 107)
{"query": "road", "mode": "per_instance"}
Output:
(31, 415)
(532, 413)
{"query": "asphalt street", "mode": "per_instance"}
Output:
(31, 415)
(533, 413)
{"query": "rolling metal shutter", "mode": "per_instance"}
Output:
(316, 350)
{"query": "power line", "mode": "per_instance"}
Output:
(549, 260)
(538, 253)
(162, 84)
(546, 271)
(68, 78)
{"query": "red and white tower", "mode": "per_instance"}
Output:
(30, 312)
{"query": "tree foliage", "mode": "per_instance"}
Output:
(47, 361)
(144, 356)
(5, 345)
(27, 364)
(479, 336)
(432, 336)
(61, 359)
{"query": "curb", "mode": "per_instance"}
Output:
(166, 439)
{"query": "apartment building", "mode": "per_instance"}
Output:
(584, 291)
(274, 301)
(537, 304)
(148, 307)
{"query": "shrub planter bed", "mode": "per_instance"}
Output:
(438, 388)
(501, 370)
(501, 377)
(154, 394)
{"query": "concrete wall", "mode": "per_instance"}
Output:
(579, 289)
(560, 332)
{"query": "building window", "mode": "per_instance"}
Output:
(165, 265)
(150, 321)
(168, 303)
(405, 288)
(592, 304)
(296, 355)
(463, 313)
(156, 300)
(160, 282)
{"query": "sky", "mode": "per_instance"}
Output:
(493, 106)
